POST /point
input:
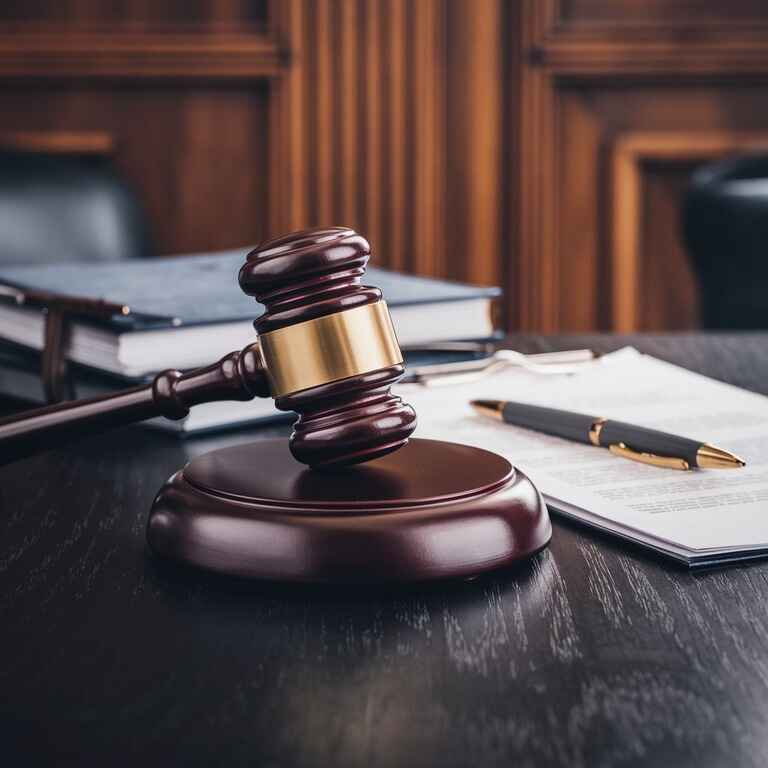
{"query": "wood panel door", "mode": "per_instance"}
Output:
(619, 102)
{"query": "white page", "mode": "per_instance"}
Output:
(699, 512)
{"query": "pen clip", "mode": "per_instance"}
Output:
(667, 462)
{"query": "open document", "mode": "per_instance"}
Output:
(700, 517)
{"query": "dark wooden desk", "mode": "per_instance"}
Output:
(593, 654)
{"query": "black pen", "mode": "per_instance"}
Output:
(648, 446)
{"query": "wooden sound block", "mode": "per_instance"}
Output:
(430, 510)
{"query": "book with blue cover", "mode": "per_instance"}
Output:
(187, 311)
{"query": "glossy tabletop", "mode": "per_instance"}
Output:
(594, 653)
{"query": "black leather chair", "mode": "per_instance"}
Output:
(725, 229)
(67, 208)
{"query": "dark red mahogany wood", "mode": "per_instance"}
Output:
(311, 274)
(237, 376)
(431, 510)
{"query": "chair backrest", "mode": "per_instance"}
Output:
(67, 208)
(725, 229)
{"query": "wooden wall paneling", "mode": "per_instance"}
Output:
(667, 284)
(466, 138)
(629, 154)
(325, 97)
(288, 116)
(137, 15)
(147, 152)
(49, 54)
(348, 78)
(180, 92)
(372, 162)
(533, 300)
(429, 124)
(366, 86)
(658, 38)
(582, 284)
(477, 249)
(56, 142)
(401, 103)
(197, 156)
(623, 223)
(582, 83)
(219, 174)
(396, 132)
(637, 15)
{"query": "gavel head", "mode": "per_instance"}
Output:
(328, 346)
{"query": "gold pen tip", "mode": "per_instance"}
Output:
(709, 457)
(490, 408)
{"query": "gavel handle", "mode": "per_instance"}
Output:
(237, 376)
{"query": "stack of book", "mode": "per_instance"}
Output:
(186, 312)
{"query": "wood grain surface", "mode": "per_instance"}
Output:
(592, 654)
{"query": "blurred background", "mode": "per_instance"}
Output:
(546, 146)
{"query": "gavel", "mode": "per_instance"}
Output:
(326, 349)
